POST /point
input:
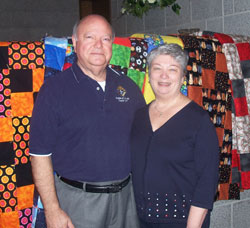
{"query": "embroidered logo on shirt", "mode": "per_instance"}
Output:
(121, 94)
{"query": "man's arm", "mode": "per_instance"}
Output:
(44, 181)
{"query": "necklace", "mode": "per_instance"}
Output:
(160, 112)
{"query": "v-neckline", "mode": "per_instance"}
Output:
(166, 122)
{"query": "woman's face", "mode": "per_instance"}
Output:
(166, 76)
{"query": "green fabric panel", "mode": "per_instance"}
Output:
(136, 76)
(121, 55)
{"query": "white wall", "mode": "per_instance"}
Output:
(226, 16)
(24, 20)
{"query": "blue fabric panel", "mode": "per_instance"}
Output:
(245, 162)
(245, 66)
(238, 88)
(55, 52)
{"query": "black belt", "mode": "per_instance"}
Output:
(111, 188)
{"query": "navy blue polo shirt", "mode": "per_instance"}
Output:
(84, 128)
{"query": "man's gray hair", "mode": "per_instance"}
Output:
(74, 34)
(75, 28)
(173, 50)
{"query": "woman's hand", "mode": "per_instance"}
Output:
(196, 217)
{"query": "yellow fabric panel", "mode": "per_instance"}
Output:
(4, 44)
(148, 92)
(22, 104)
(166, 39)
(38, 78)
(172, 39)
(9, 220)
(6, 130)
(25, 196)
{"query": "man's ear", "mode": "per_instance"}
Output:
(74, 42)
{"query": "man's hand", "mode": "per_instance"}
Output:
(58, 219)
(44, 182)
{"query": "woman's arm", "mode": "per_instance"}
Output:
(207, 170)
(196, 217)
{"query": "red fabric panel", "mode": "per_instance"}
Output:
(143, 87)
(221, 64)
(228, 120)
(220, 134)
(66, 66)
(195, 94)
(223, 191)
(122, 41)
(240, 106)
(235, 159)
(208, 78)
(223, 38)
(244, 51)
(245, 180)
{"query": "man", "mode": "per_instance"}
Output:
(80, 130)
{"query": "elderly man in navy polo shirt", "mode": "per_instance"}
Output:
(80, 132)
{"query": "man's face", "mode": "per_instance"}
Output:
(93, 45)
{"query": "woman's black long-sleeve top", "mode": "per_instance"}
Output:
(175, 166)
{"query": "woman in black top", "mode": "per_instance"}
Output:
(175, 151)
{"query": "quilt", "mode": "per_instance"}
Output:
(217, 79)
(21, 76)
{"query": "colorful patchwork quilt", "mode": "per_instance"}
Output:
(21, 76)
(217, 79)
(237, 53)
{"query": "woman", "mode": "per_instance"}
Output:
(175, 151)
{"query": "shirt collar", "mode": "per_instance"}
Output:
(79, 74)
